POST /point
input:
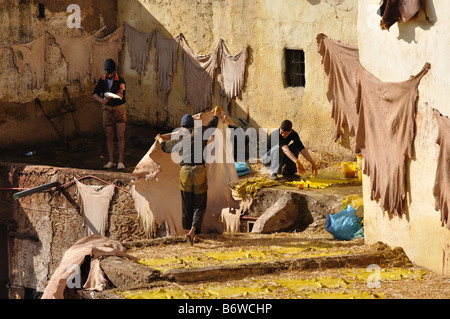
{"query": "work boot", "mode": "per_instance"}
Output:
(120, 166)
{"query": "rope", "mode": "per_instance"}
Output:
(69, 184)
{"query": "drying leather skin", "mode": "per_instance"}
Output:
(233, 72)
(106, 48)
(95, 246)
(393, 11)
(95, 203)
(381, 114)
(33, 54)
(385, 135)
(138, 46)
(199, 73)
(341, 62)
(77, 52)
(166, 63)
(441, 189)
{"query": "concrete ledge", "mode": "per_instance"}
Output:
(212, 273)
(127, 274)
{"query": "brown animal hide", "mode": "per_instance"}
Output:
(166, 62)
(106, 48)
(33, 54)
(77, 52)
(441, 189)
(233, 70)
(381, 114)
(138, 47)
(385, 134)
(341, 64)
(95, 246)
(393, 11)
(198, 76)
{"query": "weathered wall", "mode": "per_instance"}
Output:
(394, 56)
(268, 27)
(42, 226)
(21, 122)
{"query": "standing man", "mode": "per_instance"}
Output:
(114, 113)
(192, 177)
(281, 152)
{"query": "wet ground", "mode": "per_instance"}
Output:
(90, 153)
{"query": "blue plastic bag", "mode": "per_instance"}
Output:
(344, 225)
(242, 168)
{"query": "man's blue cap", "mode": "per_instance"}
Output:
(187, 121)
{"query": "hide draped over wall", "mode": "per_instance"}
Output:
(441, 189)
(380, 114)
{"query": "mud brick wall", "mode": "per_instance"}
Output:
(42, 226)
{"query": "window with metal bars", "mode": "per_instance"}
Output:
(295, 67)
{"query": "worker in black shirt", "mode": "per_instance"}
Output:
(113, 110)
(192, 178)
(281, 152)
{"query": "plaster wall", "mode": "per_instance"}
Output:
(268, 27)
(393, 56)
(22, 123)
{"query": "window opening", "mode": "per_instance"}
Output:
(295, 67)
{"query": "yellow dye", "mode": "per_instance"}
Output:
(259, 289)
(315, 249)
(161, 293)
(250, 186)
(242, 291)
(344, 295)
(319, 183)
(315, 283)
(386, 274)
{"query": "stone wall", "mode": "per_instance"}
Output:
(42, 226)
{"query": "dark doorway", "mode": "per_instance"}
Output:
(4, 272)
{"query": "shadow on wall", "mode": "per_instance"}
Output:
(23, 243)
(407, 30)
(145, 101)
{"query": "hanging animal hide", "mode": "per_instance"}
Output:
(166, 62)
(441, 189)
(156, 180)
(393, 11)
(77, 52)
(95, 201)
(106, 48)
(198, 76)
(341, 64)
(95, 246)
(138, 47)
(382, 115)
(385, 134)
(33, 54)
(233, 71)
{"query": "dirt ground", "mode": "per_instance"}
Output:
(399, 280)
